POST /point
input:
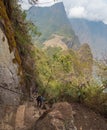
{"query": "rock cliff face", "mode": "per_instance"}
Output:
(9, 78)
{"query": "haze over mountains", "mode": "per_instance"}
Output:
(53, 20)
(92, 32)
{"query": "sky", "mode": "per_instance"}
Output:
(95, 10)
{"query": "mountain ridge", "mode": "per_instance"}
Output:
(92, 32)
(53, 20)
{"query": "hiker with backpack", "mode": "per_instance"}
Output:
(40, 100)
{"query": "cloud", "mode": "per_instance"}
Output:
(77, 12)
(25, 4)
(95, 10)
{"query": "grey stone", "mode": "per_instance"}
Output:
(8, 74)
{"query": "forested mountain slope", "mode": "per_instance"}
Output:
(53, 20)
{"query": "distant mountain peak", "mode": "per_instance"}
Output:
(53, 20)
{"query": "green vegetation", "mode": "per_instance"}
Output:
(22, 31)
(60, 75)
(57, 70)
(6, 23)
(65, 76)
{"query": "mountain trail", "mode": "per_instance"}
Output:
(28, 117)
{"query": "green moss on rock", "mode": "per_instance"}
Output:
(9, 31)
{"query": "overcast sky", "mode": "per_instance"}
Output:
(89, 9)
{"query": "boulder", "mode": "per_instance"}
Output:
(31, 115)
(60, 117)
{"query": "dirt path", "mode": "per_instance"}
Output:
(86, 119)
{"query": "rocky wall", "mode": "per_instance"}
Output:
(9, 79)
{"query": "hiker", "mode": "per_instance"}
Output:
(40, 100)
